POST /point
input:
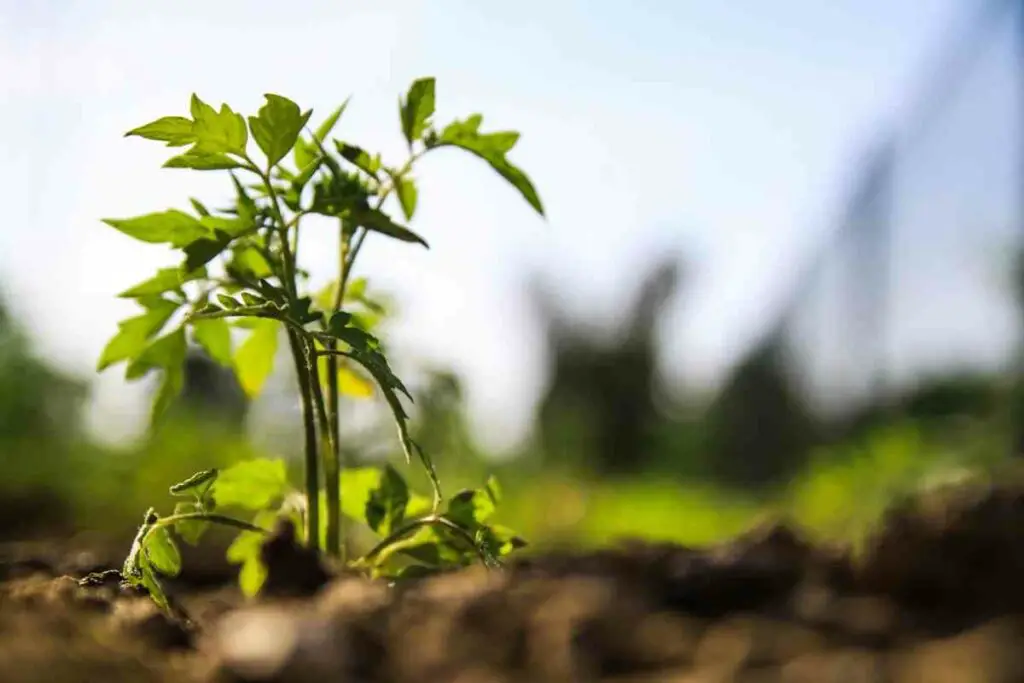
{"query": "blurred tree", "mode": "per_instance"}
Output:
(599, 410)
(39, 427)
(211, 395)
(761, 431)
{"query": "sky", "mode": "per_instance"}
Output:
(724, 131)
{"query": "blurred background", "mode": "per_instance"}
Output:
(780, 271)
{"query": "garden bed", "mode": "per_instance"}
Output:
(935, 595)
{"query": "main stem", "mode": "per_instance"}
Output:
(299, 357)
(309, 427)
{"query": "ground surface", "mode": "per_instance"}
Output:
(935, 596)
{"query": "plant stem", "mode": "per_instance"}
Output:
(332, 473)
(296, 344)
(206, 517)
(439, 520)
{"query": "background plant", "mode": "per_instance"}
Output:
(240, 271)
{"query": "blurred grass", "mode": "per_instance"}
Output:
(839, 497)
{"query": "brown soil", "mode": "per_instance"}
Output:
(936, 597)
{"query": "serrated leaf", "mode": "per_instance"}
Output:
(254, 359)
(190, 530)
(359, 157)
(350, 382)
(277, 126)
(417, 109)
(162, 552)
(214, 335)
(176, 131)
(492, 148)
(216, 132)
(244, 204)
(251, 484)
(377, 365)
(405, 188)
(204, 478)
(173, 227)
(378, 221)
(385, 507)
(165, 280)
(134, 333)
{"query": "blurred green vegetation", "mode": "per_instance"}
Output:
(607, 461)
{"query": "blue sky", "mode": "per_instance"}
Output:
(725, 130)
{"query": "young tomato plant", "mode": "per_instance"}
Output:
(239, 270)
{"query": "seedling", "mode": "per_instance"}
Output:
(240, 272)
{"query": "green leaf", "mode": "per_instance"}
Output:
(385, 508)
(176, 131)
(325, 128)
(156, 591)
(492, 148)
(304, 154)
(162, 552)
(165, 280)
(245, 550)
(216, 132)
(244, 204)
(469, 508)
(430, 545)
(249, 261)
(202, 251)
(199, 206)
(167, 352)
(254, 359)
(251, 577)
(173, 227)
(417, 109)
(203, 478)
(202, 161)
(190, 530)
(378, 221)
(405, 187)
(277, 127)
(376, 363)
(357, 483)
(214, 335)
(493, 489)
(499, 540)
(251, 484)
(359, 157)
(171, 383)
(134, 333)
(227, 302)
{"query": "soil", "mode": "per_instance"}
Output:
(935, 595)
